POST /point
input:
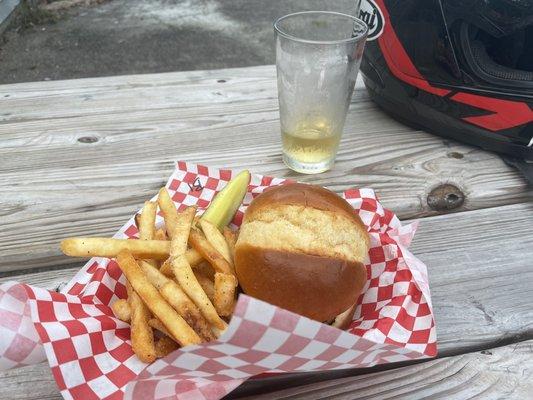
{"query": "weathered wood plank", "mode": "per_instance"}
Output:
(500, 373)
(481, 275)
(476, 305)
(142, 123)
(35, 382)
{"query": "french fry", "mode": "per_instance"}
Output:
(193, 258)
(146, 223)
(177, 298)
(105, 247)
(173, 322)
(196, 220)
(122, 310)
(166, 269)
(160, 234)
(342, 320)
(231, 238)
(180, 235)
(217, 240)
(164, 346)
(189, 284)
(170, 213)
(225, 286)
(206, 283)
(154, 276)
(198, 241)
(142, 337)
(158, 325)
(206, 269)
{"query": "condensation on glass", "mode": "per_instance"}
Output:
(317, 58)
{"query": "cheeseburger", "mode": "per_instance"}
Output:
(302, 247)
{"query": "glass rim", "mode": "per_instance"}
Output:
(286, 35)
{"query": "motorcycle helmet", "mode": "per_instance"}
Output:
(458, 68)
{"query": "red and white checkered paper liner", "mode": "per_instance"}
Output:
(89, 351)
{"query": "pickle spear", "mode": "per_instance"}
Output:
(225, 204)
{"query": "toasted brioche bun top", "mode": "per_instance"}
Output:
(302, 247)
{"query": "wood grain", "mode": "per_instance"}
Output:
(481, 275)
(500, 373)
(477, 306)
(79, 157)
(35, 382)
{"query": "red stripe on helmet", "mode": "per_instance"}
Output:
(505, 113)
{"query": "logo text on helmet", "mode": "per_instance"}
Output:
(371, 15)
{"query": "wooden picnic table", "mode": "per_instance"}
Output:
(79, 157)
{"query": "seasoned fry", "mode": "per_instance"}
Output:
(215, 237)
(177, 298)
(225, 286)
(164, 346)
(166, 269)
(158, 325)
(206, 269)
(154, 276)
(160, 234)
(142, 337)
(180, 235)
(231, 238)
(193, 258)
(146, 223)
(175, 324)
(189, 284)
(122, 310)
(104, 247)
(342, 320)
(198, 241)
(206, 283)
(170, 214)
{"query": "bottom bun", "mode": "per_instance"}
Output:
(315, 287)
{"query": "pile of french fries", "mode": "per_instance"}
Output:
(181, 280)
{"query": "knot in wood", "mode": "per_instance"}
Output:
(88, 139)
(455, 154)
(445, 197)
